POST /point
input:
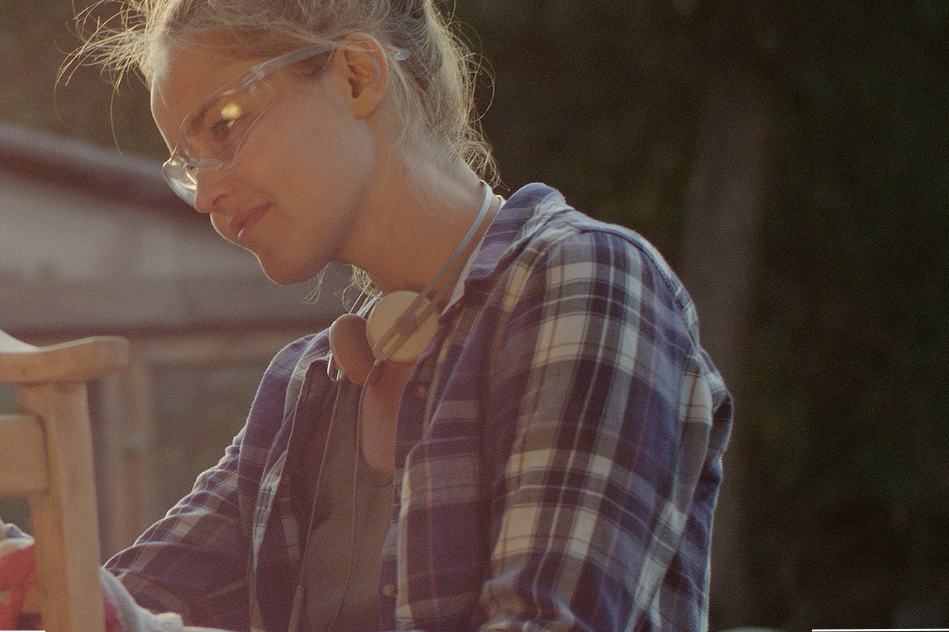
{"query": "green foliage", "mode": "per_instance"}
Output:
(852, 452)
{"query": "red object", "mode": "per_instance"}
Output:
(17, 572)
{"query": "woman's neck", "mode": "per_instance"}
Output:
(419, 220)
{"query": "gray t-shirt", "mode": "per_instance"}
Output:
(354, 513)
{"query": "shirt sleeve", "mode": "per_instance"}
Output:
(122, 613)
(604, 505)
(194, 561)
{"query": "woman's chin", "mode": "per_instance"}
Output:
(284, 274)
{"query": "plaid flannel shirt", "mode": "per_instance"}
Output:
(559, 454)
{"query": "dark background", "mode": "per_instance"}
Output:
(790, 160)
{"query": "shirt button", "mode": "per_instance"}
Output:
(421, 390)
(389, 591)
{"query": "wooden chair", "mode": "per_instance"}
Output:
(46, 457)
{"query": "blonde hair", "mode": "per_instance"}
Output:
(433, 85)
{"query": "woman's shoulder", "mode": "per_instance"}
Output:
(548, 220)
(539, 235)
(537, 218)
(537, 225)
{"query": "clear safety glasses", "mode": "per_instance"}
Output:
(212, 133)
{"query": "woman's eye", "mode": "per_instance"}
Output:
(229, 115)
(220, 129)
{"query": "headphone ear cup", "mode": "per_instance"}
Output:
(350, 347)
(388, 314)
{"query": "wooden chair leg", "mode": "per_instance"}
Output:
(64, 519)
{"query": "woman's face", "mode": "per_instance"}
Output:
(302, 175)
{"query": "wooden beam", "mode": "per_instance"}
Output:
(22, 457)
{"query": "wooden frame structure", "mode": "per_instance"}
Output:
(46, 457)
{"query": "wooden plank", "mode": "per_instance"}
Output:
(63, 519)
(77, 361)
(22, 457)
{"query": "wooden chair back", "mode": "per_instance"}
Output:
(46, 457)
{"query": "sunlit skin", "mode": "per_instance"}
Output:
(321, 176)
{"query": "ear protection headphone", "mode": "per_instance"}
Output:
(401, 323)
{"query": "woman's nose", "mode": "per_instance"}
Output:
(210, 188)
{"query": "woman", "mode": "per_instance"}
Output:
(526, 435)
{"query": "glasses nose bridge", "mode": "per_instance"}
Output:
(181, 172)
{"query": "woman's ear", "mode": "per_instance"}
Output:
(361, 65)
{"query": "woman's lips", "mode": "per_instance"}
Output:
(244, 222)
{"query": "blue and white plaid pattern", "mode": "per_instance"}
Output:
(561, 446)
